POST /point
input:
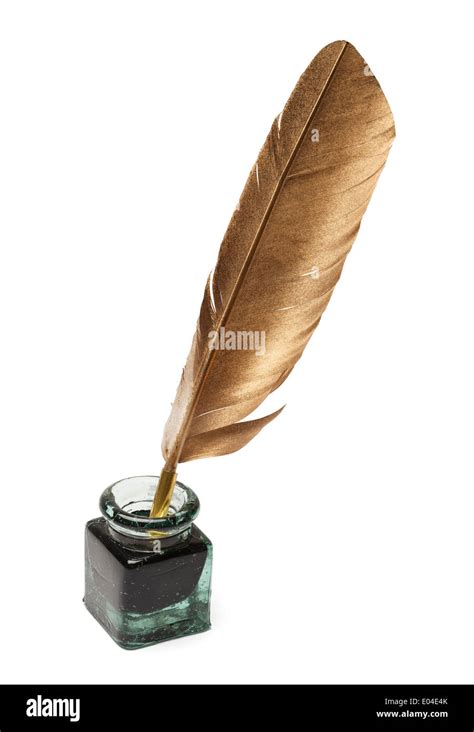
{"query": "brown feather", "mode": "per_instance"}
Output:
(283, 252)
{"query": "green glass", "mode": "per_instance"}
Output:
(147, 580)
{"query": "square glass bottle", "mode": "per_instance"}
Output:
(147, 579)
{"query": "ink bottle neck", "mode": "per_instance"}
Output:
(126, 507)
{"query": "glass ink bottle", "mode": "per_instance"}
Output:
(147, 579)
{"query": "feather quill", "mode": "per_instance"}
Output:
(281, 256)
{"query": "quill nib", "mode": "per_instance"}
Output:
(164, 494)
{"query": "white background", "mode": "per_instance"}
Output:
(127, 130)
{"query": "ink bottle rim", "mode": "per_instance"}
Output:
(126, 506)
